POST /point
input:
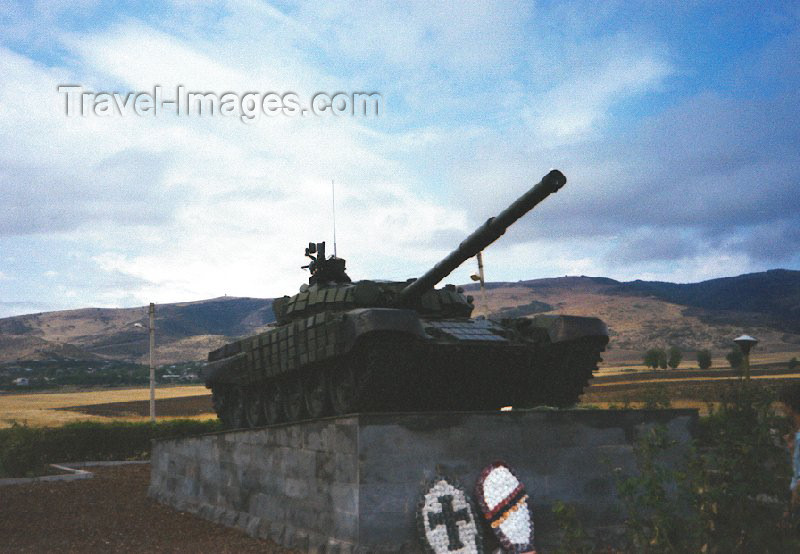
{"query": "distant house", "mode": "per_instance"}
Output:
(22, 381)
(171, 378)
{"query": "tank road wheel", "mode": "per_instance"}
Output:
(293, 400)
(253, 408)
(272, 404)
(315, 393)
(234, 409)
(344, 390)
(375, 376)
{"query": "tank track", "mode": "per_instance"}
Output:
(388, 373)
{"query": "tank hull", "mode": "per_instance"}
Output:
(386, 359)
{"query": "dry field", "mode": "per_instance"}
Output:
(58, 408)
(612, 387)
(682, 388)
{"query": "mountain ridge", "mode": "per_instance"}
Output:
(640, 315)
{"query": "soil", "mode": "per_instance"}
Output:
(109, 513)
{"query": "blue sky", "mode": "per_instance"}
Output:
(676, 124)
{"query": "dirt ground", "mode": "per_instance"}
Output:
(109, 513)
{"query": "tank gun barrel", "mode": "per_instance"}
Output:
(482, 237)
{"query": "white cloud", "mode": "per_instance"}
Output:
(140, 57)
(580, 104)
(472, 39)
(237, 202)
(254, 247)
(482, 99)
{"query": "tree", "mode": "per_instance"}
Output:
(735, 357)
(674, 358)
(793, 363)
(655, 358)
(703, 359)
(662, 358)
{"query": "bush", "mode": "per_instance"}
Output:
(574, 539)
(26, 451)
(729, 496)
(744, 473)
(657, 501)
(656, 398)
(703, 359)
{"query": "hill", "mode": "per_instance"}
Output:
(184, 331)
(768, 297)
(640, 315)
(646, 314)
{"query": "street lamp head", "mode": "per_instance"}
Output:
(745, 342)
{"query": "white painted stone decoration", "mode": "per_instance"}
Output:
(504, 503)
(446, 520)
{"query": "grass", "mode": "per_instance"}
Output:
(26, 451)
(46, 409)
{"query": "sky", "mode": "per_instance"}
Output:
(676, 124)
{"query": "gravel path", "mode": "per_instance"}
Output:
(109, 513)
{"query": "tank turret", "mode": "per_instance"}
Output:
(322, 269)
(340, 347)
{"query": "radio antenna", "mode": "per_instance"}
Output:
(333, 206)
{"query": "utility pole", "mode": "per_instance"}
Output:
(152, 367)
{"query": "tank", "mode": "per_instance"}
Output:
(341, 347)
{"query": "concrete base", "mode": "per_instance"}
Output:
(352, 484)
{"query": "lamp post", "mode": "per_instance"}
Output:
(746, 342)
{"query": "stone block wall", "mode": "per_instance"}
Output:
(351, 484)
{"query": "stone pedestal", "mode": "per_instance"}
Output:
(351, 484)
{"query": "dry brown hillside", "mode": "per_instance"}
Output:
(184, 331)
(640, 315)
(637, 323)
